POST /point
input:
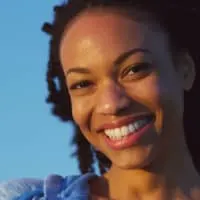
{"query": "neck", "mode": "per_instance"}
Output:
(173, 175)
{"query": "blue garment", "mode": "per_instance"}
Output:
(54, 187)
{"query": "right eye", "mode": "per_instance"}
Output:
(80, 85)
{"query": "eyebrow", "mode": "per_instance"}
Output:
(117, 62)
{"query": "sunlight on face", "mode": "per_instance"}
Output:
(117, 69)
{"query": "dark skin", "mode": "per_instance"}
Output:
(159, 165)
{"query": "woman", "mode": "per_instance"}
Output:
(123, 68)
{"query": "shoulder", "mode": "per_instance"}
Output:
(53, 187)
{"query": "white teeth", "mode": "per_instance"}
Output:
(131, 128)
(137, 125)
(124, 130)
(119, 133)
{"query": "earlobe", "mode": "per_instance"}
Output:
(188, 71)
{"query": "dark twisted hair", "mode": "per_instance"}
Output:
(178, 19)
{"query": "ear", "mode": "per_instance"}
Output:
(186, 70)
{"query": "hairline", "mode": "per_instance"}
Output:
(140, 15)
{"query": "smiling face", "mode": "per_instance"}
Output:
(127, 97)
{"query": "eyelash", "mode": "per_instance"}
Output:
(77, 85)
(139, 68)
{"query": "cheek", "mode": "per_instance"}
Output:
(159, 92)
(81, 110)
(146, 92)
(171, 96)
(161, 96)
(166, 99)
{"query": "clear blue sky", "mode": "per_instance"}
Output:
(33, 143)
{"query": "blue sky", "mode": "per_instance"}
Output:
(33, 142)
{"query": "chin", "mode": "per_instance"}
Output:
(133, 165)
(138, 159)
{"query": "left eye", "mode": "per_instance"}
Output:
(80, 85)
(137, 69)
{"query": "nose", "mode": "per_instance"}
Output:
(112, 99)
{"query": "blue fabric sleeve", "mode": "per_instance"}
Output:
(13, 190)
(54, 187)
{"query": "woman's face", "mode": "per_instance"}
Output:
(127, 97)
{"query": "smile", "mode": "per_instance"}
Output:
(127, 135)
(119, 133)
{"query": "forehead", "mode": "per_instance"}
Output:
(108, 32)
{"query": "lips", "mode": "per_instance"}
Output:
(132, 137)
(124, 121)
